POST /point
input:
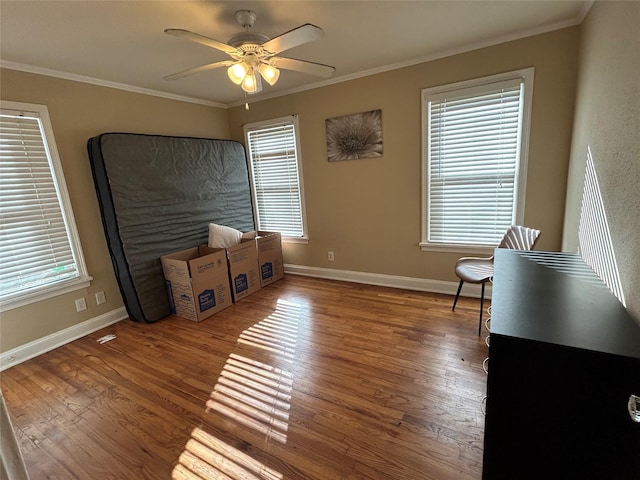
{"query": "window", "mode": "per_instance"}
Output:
(274, 166)
(40, 255)
(475, 138)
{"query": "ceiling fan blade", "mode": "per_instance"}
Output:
(203, 68)
(303, 66)
(209, 42)
(302, 34)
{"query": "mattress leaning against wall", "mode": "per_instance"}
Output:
(157, 195)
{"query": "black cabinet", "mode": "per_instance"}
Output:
(563, 362)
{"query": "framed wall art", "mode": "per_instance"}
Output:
(354, 136)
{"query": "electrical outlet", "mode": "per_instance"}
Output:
(81, 304)
(331, 257)
(100, 298)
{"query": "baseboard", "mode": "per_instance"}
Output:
(395, 281)
(42, 345)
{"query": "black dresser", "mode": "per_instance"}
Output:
(564, 360)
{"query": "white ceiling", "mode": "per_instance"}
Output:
(123, 44)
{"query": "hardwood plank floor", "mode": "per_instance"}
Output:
(306, 379)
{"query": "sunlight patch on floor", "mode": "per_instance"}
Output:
(251, 392)
(207, 457)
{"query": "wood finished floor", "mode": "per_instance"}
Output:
(306, 379)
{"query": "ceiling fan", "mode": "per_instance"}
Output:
(254, 55)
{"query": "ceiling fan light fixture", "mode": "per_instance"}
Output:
(250, 82)
(237, 72)
(269, 73)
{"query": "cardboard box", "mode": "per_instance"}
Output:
(270, 260)
(198, 282)
(243, 268)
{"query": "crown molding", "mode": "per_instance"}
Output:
(22, 67)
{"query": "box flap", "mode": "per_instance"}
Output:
(175, 267)
(207, 265)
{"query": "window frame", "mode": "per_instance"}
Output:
(249, 127)
(83, 279)
(526, 75)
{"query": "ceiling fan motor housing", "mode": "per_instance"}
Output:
(244, 39)
(247, 41)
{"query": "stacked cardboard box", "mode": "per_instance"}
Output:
(198, 282)
(243, 268)
(270, 260)
(204, 280)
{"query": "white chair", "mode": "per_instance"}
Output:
(480, 270)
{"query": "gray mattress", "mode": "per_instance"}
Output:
(157, 195)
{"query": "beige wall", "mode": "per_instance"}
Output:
(368, 211)
(79, 111)
(607, 120)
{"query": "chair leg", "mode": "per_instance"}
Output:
(457, 295)
(481, 308)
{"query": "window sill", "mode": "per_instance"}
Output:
(300, 240)
(37, 296)
(457, 248)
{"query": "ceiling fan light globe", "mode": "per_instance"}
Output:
(269, 73)
(237, 72)
(250, 83)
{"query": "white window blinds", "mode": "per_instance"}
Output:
(275, 177)
(35, 248)
(473, 157)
